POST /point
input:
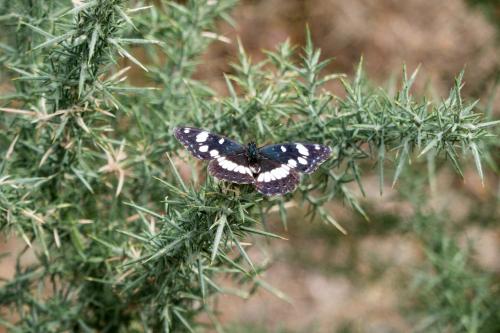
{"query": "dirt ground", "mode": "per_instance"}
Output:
(360, 282)
(443, 37)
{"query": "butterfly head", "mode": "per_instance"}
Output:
(252, 152)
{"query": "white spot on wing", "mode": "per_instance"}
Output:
(267, 177)
(203, 148)
(292, 163)
(222, 161)
(186, 130)
(231, 166)
(214, 153)
(225, 164)
(221, 141)
(283, 149)
(317, 147)
(284, 170)
(279, 173)
(302, 149)
(202, 137)
(302, 160)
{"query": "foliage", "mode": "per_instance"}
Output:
(451, 292)
(122, 242)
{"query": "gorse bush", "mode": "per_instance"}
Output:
(90, 175)
(449, 291)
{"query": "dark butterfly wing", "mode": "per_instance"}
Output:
(303, 157)
(205, 145)
(233, 168)
(275, 178)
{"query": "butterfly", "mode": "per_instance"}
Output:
(272, 169)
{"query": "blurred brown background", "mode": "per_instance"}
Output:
(358, 281)
(443, 37)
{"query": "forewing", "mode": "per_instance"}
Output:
(205, 145)
(275, 178)
(303, 157)
(233, 168)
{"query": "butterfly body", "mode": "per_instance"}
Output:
(273, 169)
(252, 153)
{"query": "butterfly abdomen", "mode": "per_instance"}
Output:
(252, 153)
